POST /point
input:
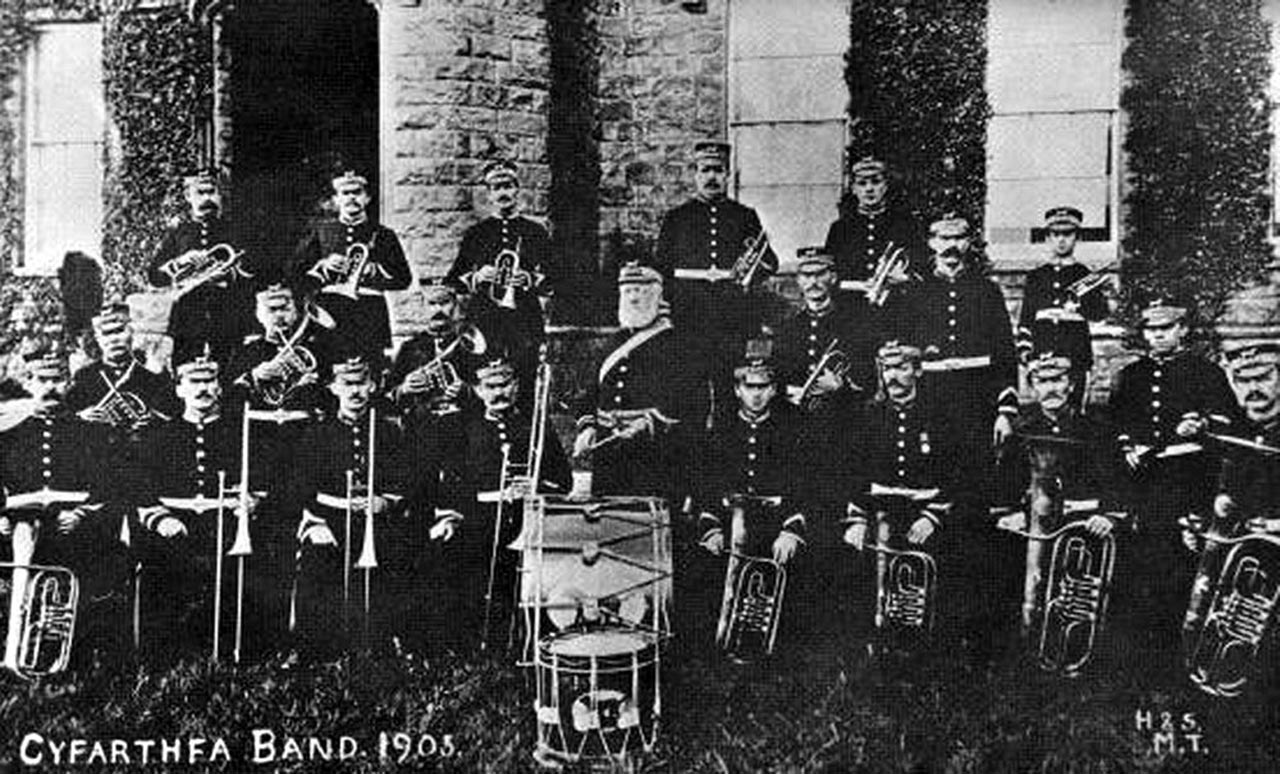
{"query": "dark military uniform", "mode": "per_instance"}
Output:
(1150, 398)
(260, 347)
(802, 338)
(363, 324)
(519, 330)
(1046, 312)
(218, 313)
(698, 236)
(858, 240)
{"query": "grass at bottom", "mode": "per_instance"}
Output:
(819, 708)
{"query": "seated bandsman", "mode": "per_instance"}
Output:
(191, 470)
(903, 480)
(645, 403)
(501, 432)
(748, 492)
(428, 380)
(118, 390)
(1160, 404)
(62, 486)
(347, 263)
(1067, 461)
(332, 467)
(199, 252)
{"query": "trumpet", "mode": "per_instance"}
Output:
(194, 268)
(1222, 654)
(1091, 281)
(752, 607)
(352, 270)
(42, 610)
(752, 258)
(833, 360)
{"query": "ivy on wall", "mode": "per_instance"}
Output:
(916, 72)
(1198, 146)
(158, 71)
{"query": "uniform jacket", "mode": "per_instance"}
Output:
(89, 387)
(857, 240)
(258, 348)
(480, 246)
(1150, 397)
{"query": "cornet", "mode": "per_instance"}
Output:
(117, 408)
(439, 372)
(892, 263)
(197, 267)
(752, 258)
(833, 360)
(509, 276)
(294, 362)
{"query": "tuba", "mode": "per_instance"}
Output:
(752, 258)
(1222, 654)
(41, 603)
(752, 607)
(197, 267)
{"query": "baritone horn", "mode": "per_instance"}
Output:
(197, 267)
(1075, 597)
(752, 607)
(1223, 653)
(906, 588)
(41, 610)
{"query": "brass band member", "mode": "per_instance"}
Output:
(506, 263)
(332, 454)
(872, 219)
(282, 364)
(118, 389)
(500, 425)
(699, 244)
(1065, 456)
(645, 400)
(59, 474)
(748, 493)
(1159, 404)
(184, 462)
(1245, 495)
(348, 262)
(429, 377)
(906, 443)
(1053, 297)
(217, 312)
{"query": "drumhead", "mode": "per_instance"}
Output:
(599, 643)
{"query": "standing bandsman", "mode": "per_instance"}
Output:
(712, 253)
(501, 429)
(428, 380)
(118, 389)
(903, 476)
(1160, 404)
(874, 223)
(347, 263)
(218, 311)
(506, 264)
(1056, 301)
(646, 399)
(748, 494)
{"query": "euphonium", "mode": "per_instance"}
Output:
(906, 589)
(41, 606)
(1222, 655)
(752, 257)
(1075, 598)
(752, 607)
(196, 267)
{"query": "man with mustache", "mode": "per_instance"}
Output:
(500, 429)
(646, 402)
(328, 260)
(873, 219)
(698, 245)
(280, 366)
(429, 377)
(121, 375)
(518, 326)
(217, 312)
(1160, 404)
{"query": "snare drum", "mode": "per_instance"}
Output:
(598, 695)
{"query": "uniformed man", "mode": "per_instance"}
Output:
(333, 471)
(749, 494)
(218, 311)
(501, 431)
(282, 364)
(903, 480)
(958, 317)
(1159, 405)
(347, 263)
(118, 390)
(646, 402)
(699, 248)
(1244, 500)
(63, 489)
(1056, 301)
(874, 225)
(429, 379)
(506, 263)
(1067, 462)
(191, 470)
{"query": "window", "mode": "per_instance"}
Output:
(1271, 12)
(65, 121)
(1053, 77)
(787, 119)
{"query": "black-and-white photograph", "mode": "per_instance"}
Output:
(639, 386)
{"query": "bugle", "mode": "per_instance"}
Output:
(368, 558)
(41, 610)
